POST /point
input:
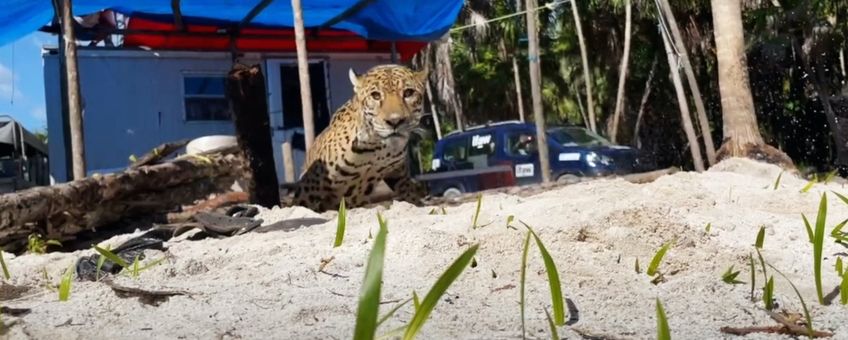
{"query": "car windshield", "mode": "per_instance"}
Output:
(576, 136)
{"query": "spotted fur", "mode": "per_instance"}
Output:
(365, 142)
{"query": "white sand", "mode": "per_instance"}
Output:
(267, 286)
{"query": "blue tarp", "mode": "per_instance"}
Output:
(421, 20)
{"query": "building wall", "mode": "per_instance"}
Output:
(133, 101)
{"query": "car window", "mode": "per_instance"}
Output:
(482, 148)
(456, 150)
(521, 143)
(576, 136)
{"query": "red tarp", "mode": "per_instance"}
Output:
(272, 40)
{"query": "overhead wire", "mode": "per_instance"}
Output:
(549, 5)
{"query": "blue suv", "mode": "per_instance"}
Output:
(466, 161)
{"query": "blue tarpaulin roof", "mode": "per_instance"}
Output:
(377, 19)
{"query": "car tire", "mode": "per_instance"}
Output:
(568, 179)
(451, 192)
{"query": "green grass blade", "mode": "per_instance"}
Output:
(509, 220)
(803, 304)
(768, 294)
(729, 276)
(808, 227)
(753, 275)
(135, 267)
(818, 244)
(112, 257)
(369, 298)
(829, 176)
(708, 227)
(554, 333)
(841, 197)
(663, 333)
(3, 265)
(843, 290)
(477, 211)
(655, 262)
(151, 264)
(839, 269)
(837, 229)
(777, 181)
(392, 312)
(523, 279)
(761, 236)
(416, 302)
(809, 184)
(553, 280)
(763, 263)
(340, 228)
(436, 292)
(65, 284)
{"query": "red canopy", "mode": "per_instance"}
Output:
(165, 36)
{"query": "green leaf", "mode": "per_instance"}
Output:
(663, 333)
(112, 257)
(808, 227)
(839, 269)
(843, 290)
(763, 263)
(729, 276)
(655, 262)
(392, 312)
(553, 280)
(803, 304)
(509, 220)
(135, 267)
(369, 297)
(753, 275)
(340, 228)
(436, 292)
(53, 243)
(100, 262)
(829, 176)
(708, 227)
(416, 302)
(818, 244)
(768, 294)
(554, 333)
(151, 264)
(761, 235)
(522, 281)
(809, 184)
(65, 284)
(3, 265)
(837, 229)
(777, 181)
(477, 211)
(841, 197)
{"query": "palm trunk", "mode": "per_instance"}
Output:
(693, 83)
(433, 110)
(645, 95)
(622, 73)
(518, 98)
(536, 92)
(590, 103)
(685, 118)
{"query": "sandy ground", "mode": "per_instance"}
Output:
(267, 286)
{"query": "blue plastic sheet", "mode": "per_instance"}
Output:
(421, 20)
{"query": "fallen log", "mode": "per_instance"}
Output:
(62, 210)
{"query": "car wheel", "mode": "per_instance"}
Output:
(568, 179)
(451, 192)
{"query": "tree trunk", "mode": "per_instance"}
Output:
(741, 134)
(645, 95)
(706, 131)
(622, 72)
(536, 92)
(73, 86)
(438, 126)
(590, 102)
(685, 117)
(249, 100)
(303, 74)
(518, 97)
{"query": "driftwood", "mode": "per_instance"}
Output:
(63, 210)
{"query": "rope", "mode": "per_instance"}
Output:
(549, 5)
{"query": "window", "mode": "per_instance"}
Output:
(521, 144)
(456, 150)
(205, 98)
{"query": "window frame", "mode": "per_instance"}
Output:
(202, 74)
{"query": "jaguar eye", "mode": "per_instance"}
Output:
(376, 95)
(408, 93)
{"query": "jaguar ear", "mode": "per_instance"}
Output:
(354, 79)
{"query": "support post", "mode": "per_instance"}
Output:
(394, 52)
(288, 162)
(247, 95)
(303, 74)
(74, 102)
(536, 92)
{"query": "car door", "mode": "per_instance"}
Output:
(520, 149)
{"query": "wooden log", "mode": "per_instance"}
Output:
(248, 98)
(91, 202)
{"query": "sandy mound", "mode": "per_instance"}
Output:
(267, 286)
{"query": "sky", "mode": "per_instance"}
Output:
(22, 80)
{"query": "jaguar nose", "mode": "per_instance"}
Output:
(395, 122)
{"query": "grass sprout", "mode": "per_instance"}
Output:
(112, 257)
(554, 333)
(808, 227)
(810, 184)
(436, 292)
(818, 244)
(761, 236)
(803, 304)
(655, 262)
(369, 298)
(416, 302)
(843, 290)
(729, 276)
(839, 270)
(65, 284)
(768, 294)
(777, 181)
(340, 227)
(392, 312)
(37, 245)
(663, 332)
(829, 176)
(708, 227)
(553, 279)
(753, 275)
(509, 220)
(522, 281)
(477, 210)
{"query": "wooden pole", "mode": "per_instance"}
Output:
(587, 73)
(288, 162)
(685, 116)
(248, 98)
(518, 97)
(433, 110)
(536, 91)
(622, 72)
(303, 74)
(74, 102)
